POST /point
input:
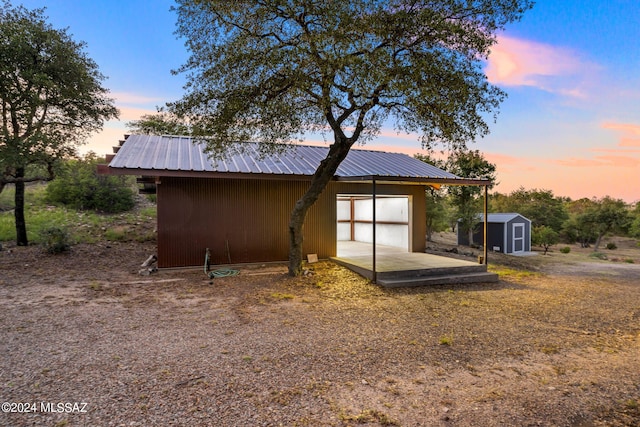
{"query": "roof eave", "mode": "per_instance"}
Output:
(422, 180)
(200, 174)
(407, 180)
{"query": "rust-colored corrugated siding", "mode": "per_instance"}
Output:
(245, 220)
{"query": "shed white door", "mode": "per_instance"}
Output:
(518, 237)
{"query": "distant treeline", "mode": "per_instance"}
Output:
(583, 221)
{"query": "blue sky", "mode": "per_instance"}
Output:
(571, 69)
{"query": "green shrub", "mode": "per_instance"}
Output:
(611, 246)
(565, 250)
(82, 226)
(598, 255)
(117, 235)
(544, 236)
(79, 186)
(55, 240)
(39, 216)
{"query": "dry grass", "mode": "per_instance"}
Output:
(550, 344)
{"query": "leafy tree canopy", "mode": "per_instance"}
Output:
(606, 215)
(540, 206)
(270, 71)
(591, 219)
(79, 186)
(436, 205)
(544, 236)
(471, 164)
(466, 199)
(634, 226)
(51, 96)
(160, 123)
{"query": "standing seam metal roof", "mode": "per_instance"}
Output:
(179, 153)
(501, 217)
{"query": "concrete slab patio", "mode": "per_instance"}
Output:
(398, 268)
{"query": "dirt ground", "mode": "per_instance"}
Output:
(555, 343)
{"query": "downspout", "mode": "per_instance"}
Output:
(375, 275)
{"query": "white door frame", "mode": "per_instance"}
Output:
(514, 238)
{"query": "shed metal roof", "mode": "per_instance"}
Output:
(501, 217)
(149, 154)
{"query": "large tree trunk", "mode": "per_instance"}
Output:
(325, 172)
(601, 234)
(21, 225)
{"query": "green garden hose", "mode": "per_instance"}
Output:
(223, 272)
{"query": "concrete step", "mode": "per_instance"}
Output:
(430, 272)
(480, 277)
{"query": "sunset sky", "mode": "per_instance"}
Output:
(571, 68)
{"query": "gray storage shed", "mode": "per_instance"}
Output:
(509, 233)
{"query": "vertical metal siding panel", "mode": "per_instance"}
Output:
(251, 217)
(172, 221)
(161, 222)
(419, 223)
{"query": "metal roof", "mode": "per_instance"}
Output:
(149, 153)
(501, 217)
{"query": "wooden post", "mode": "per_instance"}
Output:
(486, 214)
(375, 275)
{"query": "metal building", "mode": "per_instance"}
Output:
(239, 206)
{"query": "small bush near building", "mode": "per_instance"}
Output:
(544, 236)
(55, 240)
(565, 250)
(79, 186)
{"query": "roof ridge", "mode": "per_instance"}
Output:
(292, 144)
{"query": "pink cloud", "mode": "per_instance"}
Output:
(502, 159)
(577, 162)
(620, 161)
(627, 128)
(516, 62)
(616, 150)
(629, 133)
(629, 142)
(600, 161)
